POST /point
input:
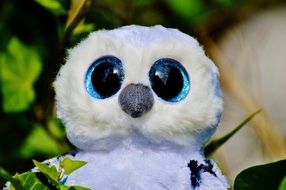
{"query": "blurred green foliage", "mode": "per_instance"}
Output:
(34, 35)
(282, 185)
(54, 6)
(19, 72)
(31, 146)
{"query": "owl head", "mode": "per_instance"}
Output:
(151, 81)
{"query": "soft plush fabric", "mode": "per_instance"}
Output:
(135, 139)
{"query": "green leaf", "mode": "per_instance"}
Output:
(11, 187)
(15, 182)
(48, 176)
(70, 165)
(282, 185)
(30, 181)
(20, 67)
(186, 8)
(268, 176)
(31, 145)
(82, 27)
(215, 144)
(50, 172)
(54, 6)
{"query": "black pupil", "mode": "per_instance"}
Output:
(167, 81)
(106, 79)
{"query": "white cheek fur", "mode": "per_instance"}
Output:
(100, 124)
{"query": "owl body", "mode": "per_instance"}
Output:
(140, 103)
(132, 166)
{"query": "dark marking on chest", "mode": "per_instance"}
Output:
(197, 169)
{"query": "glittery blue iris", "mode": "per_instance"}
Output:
(169, 80)
(104, 77)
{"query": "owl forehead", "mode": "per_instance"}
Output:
(138, 48)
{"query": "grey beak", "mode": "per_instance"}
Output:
(136, 99)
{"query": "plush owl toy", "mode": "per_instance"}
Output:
(139, 103)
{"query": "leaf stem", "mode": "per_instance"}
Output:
(215, 144)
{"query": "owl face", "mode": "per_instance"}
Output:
(152, 81)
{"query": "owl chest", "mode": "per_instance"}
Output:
(132, 170)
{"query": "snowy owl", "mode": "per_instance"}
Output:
(140, 103)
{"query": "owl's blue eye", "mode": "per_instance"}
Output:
(169, 80)
(104, 77)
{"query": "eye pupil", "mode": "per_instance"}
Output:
(104, 77)
(169, 80)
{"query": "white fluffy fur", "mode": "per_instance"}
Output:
(135, 168)
(94, 124)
